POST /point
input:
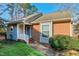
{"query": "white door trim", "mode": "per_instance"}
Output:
(17, 30)
(50, 30)
(30, 32)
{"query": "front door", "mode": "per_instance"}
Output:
(28, 32)
(45, 32)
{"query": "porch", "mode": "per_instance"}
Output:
(24, 32)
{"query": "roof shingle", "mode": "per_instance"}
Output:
(57, 16)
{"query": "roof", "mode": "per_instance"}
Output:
(27, 19)
(32, 17)
(38, 17)
(57, 16)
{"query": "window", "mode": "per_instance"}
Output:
(45, 30)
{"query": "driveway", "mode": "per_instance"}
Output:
(45, 49)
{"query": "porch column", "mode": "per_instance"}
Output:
(17, 30)
(24, 33)
(51, 29)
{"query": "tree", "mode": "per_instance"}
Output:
(2, 10)
(28, 8)
(25, 7)
(11, 9)
(2, 26)
(20, 10)
(32, 9)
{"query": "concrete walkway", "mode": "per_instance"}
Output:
(47, 50)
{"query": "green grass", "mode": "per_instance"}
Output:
(17, 49)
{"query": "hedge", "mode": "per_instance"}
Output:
(63, 42)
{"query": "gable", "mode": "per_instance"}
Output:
(27, 19)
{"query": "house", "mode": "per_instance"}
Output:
(21, 29)
(39, 28)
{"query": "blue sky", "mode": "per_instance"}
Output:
(45, 8)
(42, 7)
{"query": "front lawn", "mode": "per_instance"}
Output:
(9, 48)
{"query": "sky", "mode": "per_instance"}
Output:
(45, 8)
(42, 7)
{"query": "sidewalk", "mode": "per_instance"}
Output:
(47, 50)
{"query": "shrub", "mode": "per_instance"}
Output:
(63, 42)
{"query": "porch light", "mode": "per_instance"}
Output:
(11, 27)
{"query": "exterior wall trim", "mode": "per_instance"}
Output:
(50, 29)
(17, 30)
(71, 28)
(54, 20)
